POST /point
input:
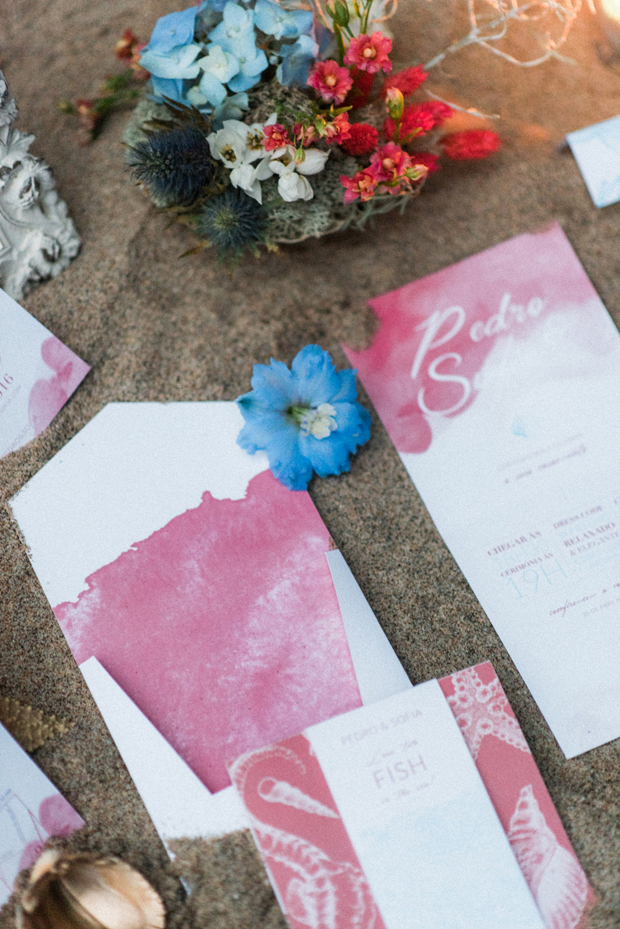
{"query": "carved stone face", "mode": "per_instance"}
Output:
(24, 183)
(8, 110)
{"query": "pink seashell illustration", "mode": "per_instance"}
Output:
(553, 874)
(483, 710)
(282, 792)
(325, 894)
(321, 887)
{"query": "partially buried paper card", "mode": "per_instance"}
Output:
(498, 380)
(597, 153)
(38, 374)
(379, 818)
(197, 580)
(31, 810)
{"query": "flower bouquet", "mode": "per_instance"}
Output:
(268, 123)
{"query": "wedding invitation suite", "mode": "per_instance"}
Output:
(498, 380)
(204, 590)
(38, 374)
(31, 810)
(379, 818)
(180, 805)
(597, 153)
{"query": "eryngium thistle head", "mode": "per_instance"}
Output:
(232, 222)
(175, 165)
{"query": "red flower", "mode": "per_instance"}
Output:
(370, 53)
(338, 130)
(390, 163)
(427, 159)
(473, 143)
(276, 136)
(418, 118)
(406, 81)
(362, 140)
(331, 81)
(361, 90)
(126, 44)
(362, 184)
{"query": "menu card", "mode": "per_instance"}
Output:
(180, 805)
(379, 818)
(498, 380)
(31, 810)
(38, 374)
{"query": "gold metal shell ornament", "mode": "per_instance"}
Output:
(87, 891)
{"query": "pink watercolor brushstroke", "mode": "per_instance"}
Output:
(542, 266)
(49, 395)
(57, 818)
(520, 797)
(223, 627)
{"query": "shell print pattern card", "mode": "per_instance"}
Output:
(378, 819)
(498, 380)
(519, 796)
(38, 374)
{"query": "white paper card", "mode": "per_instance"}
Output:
(597, 152)
(31, 810)
(498, 380)
(38, 374)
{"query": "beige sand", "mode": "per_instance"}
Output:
(158, 328)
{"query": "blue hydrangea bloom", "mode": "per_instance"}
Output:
(172, 30)
(235, 34)
(163, 87)
(306, 419)
(231, 108)
(297, 59)
(282, 24)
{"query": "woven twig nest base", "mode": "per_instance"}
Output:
(291, 223)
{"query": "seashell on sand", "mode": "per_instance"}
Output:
(87, 891)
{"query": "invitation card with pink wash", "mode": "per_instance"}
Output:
(180, 805)
(498, 380)
(38, 374)
(195, 578)
(379, 818)
(31, 810)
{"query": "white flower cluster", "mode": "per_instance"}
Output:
(239, 147)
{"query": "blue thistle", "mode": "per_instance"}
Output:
(175, 165)
(232, 222)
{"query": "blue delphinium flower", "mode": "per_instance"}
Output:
(282, 24)
(306, 419)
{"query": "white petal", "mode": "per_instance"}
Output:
(264, 170)
(313, 162)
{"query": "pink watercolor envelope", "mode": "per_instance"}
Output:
(200, 583)
(38, 374)
(31, 810)
(327, 810)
